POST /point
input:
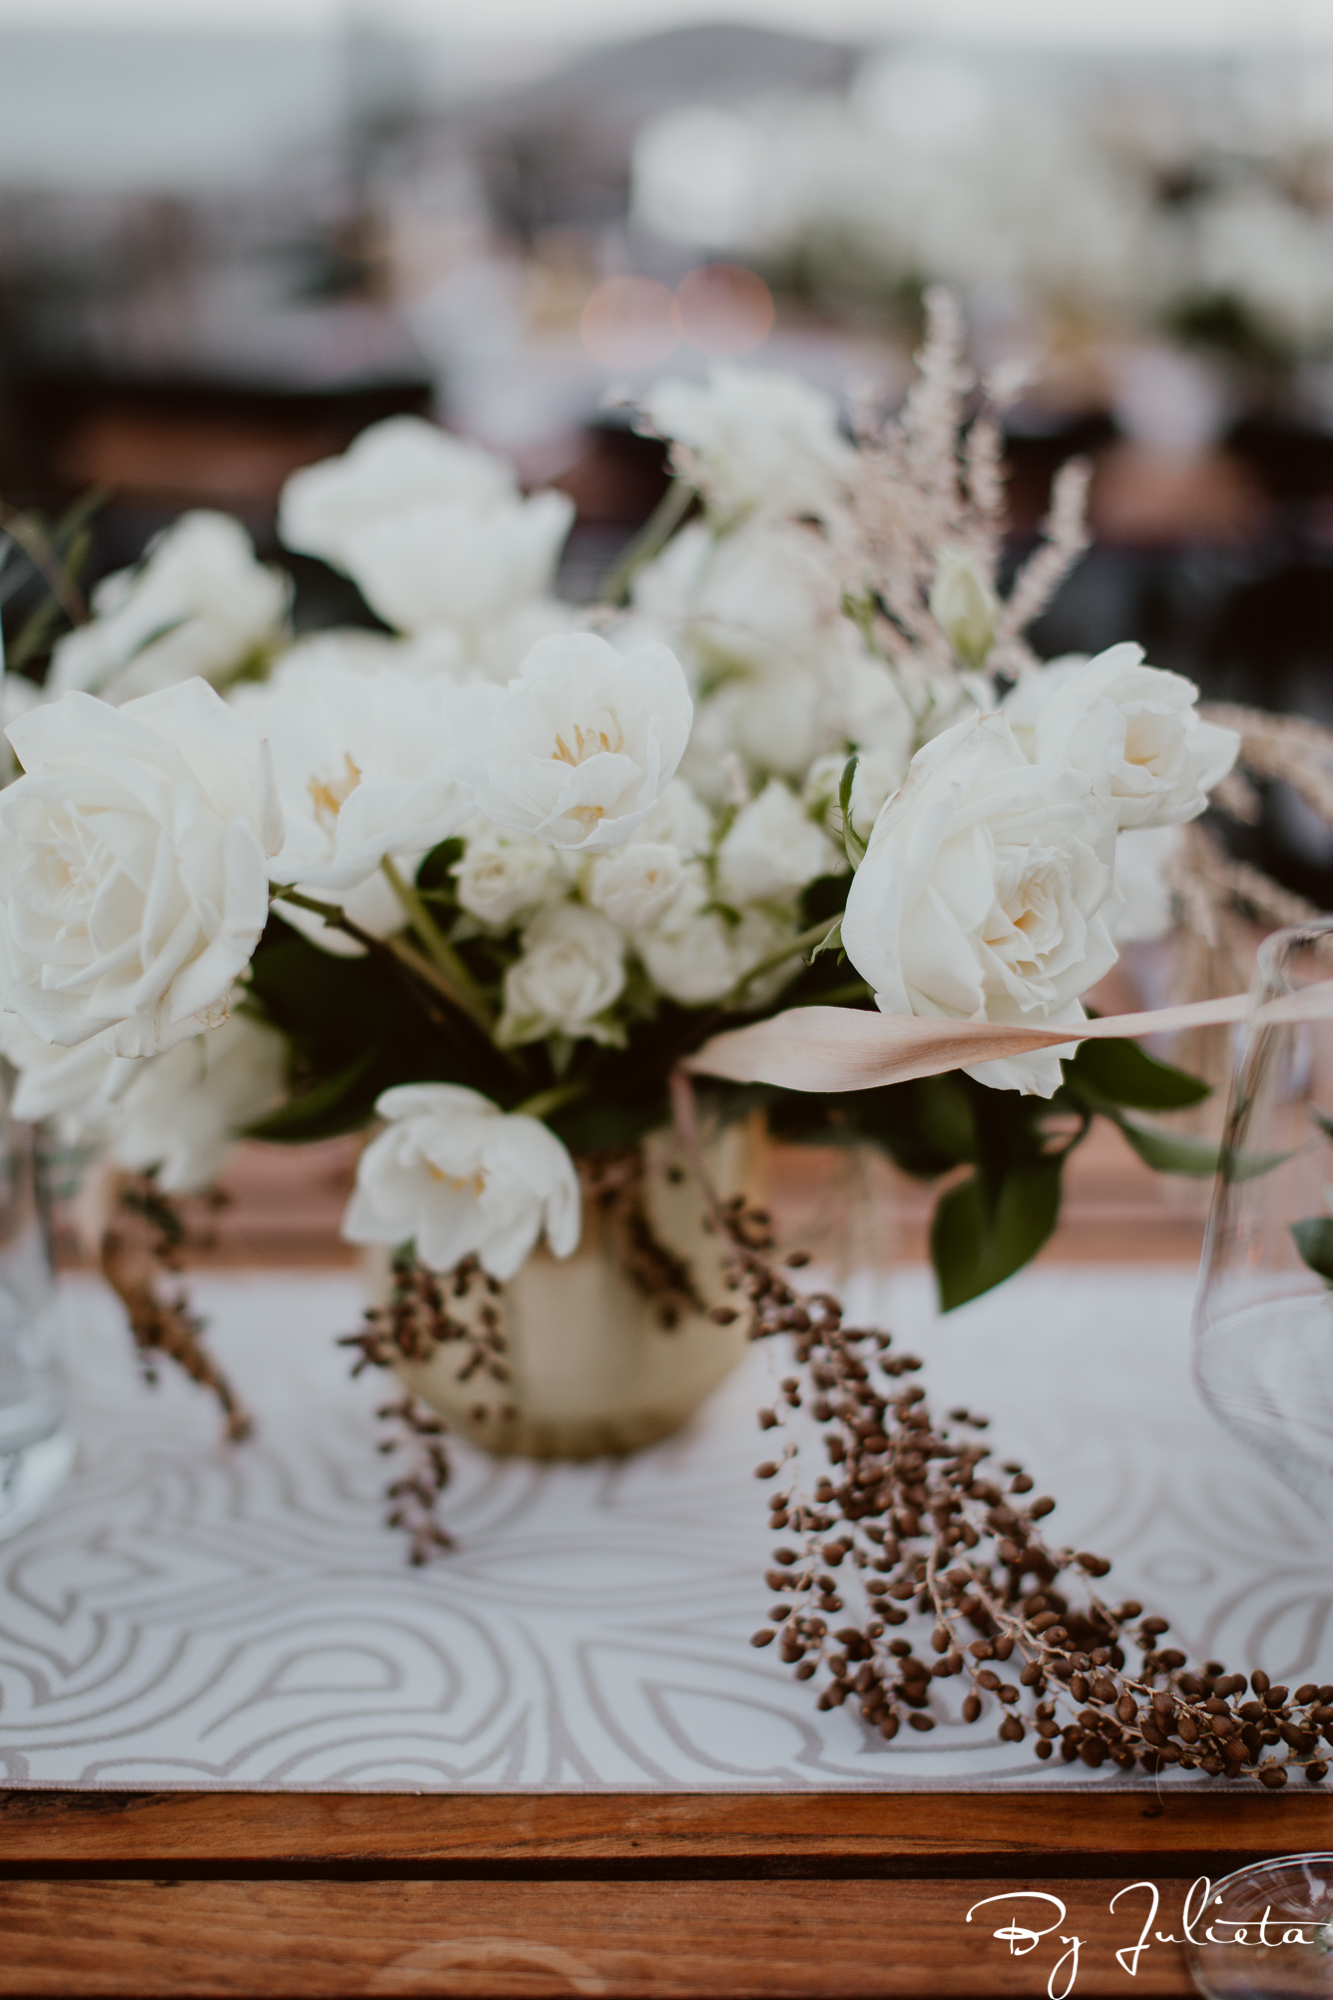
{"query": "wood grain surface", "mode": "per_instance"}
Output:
(609, 1894)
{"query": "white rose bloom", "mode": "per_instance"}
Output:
(133, 871)
(493, 651)
(77, 1087)
(458, 565)
(772, 726)
(985, 893)
(401, 463)
(637, 885)
(761, 440)
(572, 970)
(699, 953)
(1143, 857)
(199, 603)
(367, 766)
(679, 820)
(459, 1177)
(1130, 727)
(183, 1111)
(502, 874)
(580, 745)
(766, 597)
(773, 848)
(348, 648)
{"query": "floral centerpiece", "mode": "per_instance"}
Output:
(489, 883)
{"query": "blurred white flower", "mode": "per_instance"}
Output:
(199, 603)
(773, 848)
(877, 776)
(182, 1112)
(572, 969)
(1143, 858)
(458, 1177)
(755, 439)
(679, 820)
(133, 870)
(636, 885)
(77, 1087)
(699, 952)
(502, 874)
(766, 597)
(581, 744)
(986, 893)
(367, 766)
(964, 606)
(1130, 727)
(401, 463)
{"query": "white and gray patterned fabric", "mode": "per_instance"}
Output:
(188, 1616)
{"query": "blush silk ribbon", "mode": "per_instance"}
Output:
(840, 1048)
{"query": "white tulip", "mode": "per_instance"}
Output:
(459, 1177)
(1130, 727)
(571, 971)
(580, 745)
(772, 849)
(986, 893)
(199, 603)
(756, 439)
(502, 874)
(182, 1112)
(133, 871)
(367, 766)
(637, 885)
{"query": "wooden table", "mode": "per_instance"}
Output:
(607, 1894)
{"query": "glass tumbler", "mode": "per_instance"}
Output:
(36, 1446)
(1263, 1325)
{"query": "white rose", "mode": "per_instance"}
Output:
(199, 603)
(458, 565)
(964, 606)
(77, 1087)
(1130, 727)
(1143, 858)
(757, 439)
(367, 765)
(133, 872)
(635, 886)
(580, 745)
(773, 848)
(985, 893)
(459, 1177)
(699, 953)
(679, 820)
(773, 725)
(182, 1112)
(763, 597)
(571, 971)
(401, 463)
(502, 874)
(493, 651)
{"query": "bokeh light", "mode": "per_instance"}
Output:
(630, 323)
(724, 309)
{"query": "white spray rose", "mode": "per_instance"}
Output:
(765, 597)
(877, 776)
(985, 893)
(502, 874)
(401, 463)
(182, 1112)
(773, 848)
(1143, 858)
(367, 766)
(964, 605)
(133, 870)
(637, 885)
(459, 1177)
(199, 603)
(571, 971)
(698, 953)
(679, 820)
(580, 745)
(755, 439)
(1130, 727)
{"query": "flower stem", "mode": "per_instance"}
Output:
(656, 531)
(546, 1101)
(792, 949)
(455, 980)
(407, 955)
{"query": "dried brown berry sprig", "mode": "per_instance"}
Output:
(913, 1562)
(414, 1495)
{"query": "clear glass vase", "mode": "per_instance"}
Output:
(36, 1446)
(1263, 1327)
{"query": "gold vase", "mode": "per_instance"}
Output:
(601, 1354)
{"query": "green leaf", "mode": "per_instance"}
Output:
(1314, 1240)
(831, 942)
(1199, 1158)
(336, 1105)
(976, 1244)
(1120, 1072)
(851, 839)
(433, 876)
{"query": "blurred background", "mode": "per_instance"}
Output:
(231, 235)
